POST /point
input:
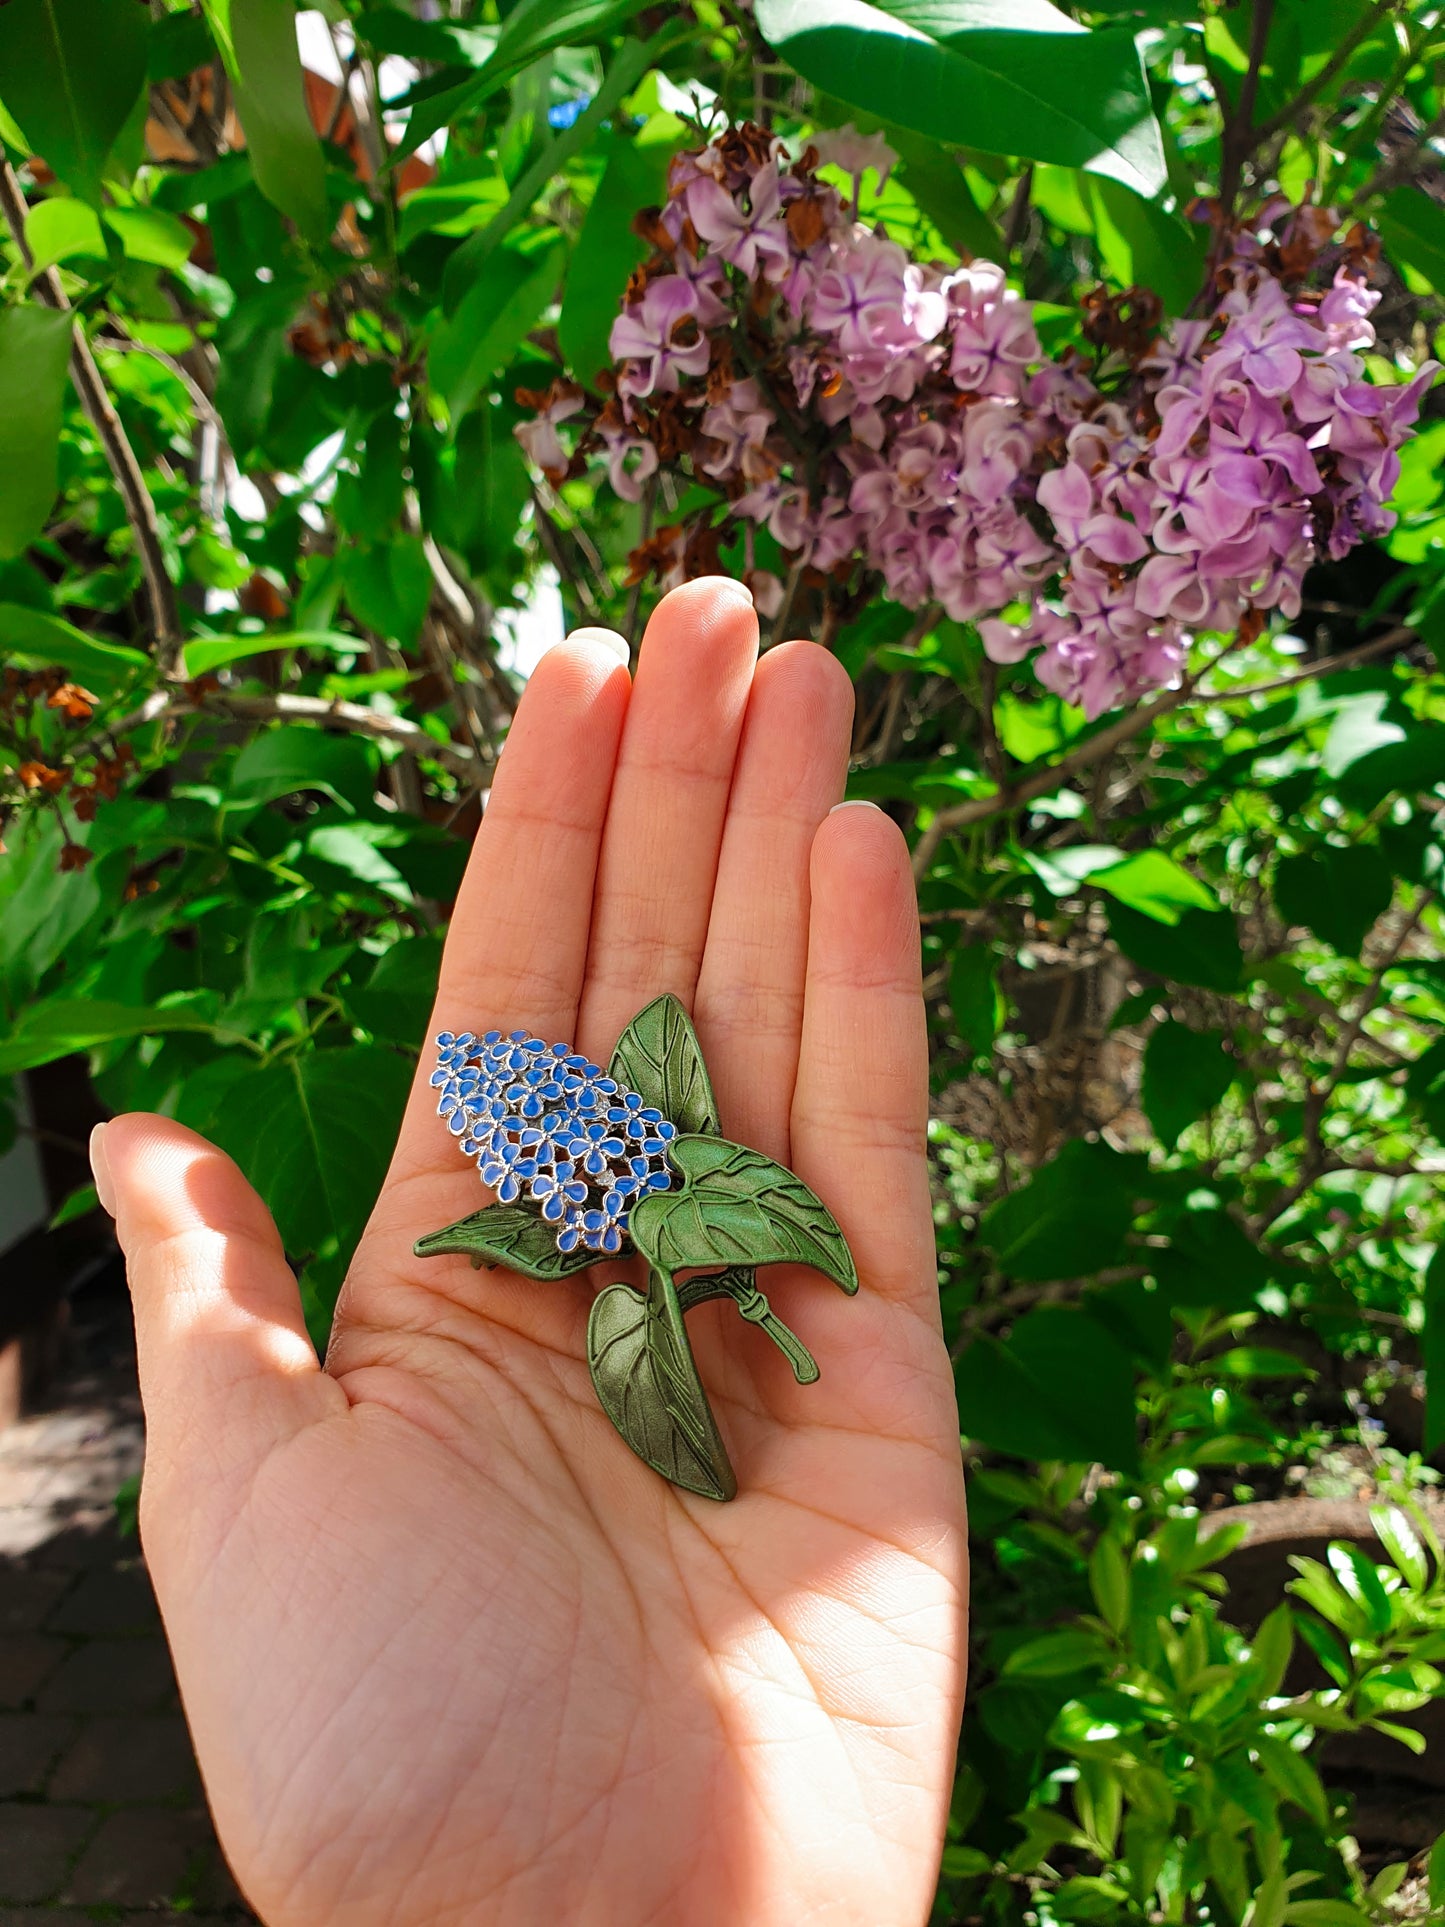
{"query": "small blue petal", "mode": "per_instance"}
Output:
(445, 1038)
(659, 1181)
(592, 1221)
(553, 1209)
(612, 1239)
(569, 1239)
(508, 1191)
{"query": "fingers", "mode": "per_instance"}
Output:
(860, 1105)
(669, 801)
(226, 1368)
(790, 771)
(517, 946)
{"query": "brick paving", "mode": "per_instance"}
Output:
(101, 1812)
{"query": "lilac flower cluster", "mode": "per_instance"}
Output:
(542, 1119)
(1248, 445)
(889, 419)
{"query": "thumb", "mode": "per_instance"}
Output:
(227, 1371)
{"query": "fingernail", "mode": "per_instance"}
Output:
(853, 803)
(609, 639)
(741, 589)
(100, 1169)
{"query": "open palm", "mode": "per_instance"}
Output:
(450, 1653)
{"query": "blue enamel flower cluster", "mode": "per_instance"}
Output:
(541, 1119)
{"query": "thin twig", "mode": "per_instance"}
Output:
(1134, 723)
(1240, 136)
(1326, 666)
(456, 757)
(1030, 785)
(140, 510)
(790, 596)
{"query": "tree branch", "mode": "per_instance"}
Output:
(1038, 782)
(456, 757)
(1326, 666)
(1240, 135)
(140, 511)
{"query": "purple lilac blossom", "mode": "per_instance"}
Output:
(866, 407)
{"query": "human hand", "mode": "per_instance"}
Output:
(449, 1652)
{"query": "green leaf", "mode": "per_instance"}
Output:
(1062, 1387)
(389, 586)
(34, 359)
(1068, 1220)
(1186, 1073)
(1338, 892)
(257, 39)
(1256, 1361)
(737, 1207)
(282, 762)
(1210, 1261)
(607, 250)
(506, 1234)
(1398, 1536)
(628, 67)
(659, 1057)
(643, 1370)
(72, 72)
(534, 27)
(150, 235)
(76, 1204)
(496, 314)
(1109, 1582)
(1356, 1573)
(973, 997)
(1434, 1351)
(1292, 1777)
(101, 666)
(1054, 1655)
(209, 653)
(1010, 76)
(59, 228)
(938, 184)
(1435, 1875)
(1202, 948)
(1412, 226)
(48, 1031)
(1325, 1913)
(1156, 886)
(1141, 245)
(314, 1133)
(396, 1000)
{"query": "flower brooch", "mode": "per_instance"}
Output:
(589, 1165)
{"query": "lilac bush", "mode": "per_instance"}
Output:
(896, 424)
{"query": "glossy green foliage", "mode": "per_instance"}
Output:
(1185, 966)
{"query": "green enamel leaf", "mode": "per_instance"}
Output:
(643, 1371)
(737, 1207)
(659, 1057)
(506, 1234)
